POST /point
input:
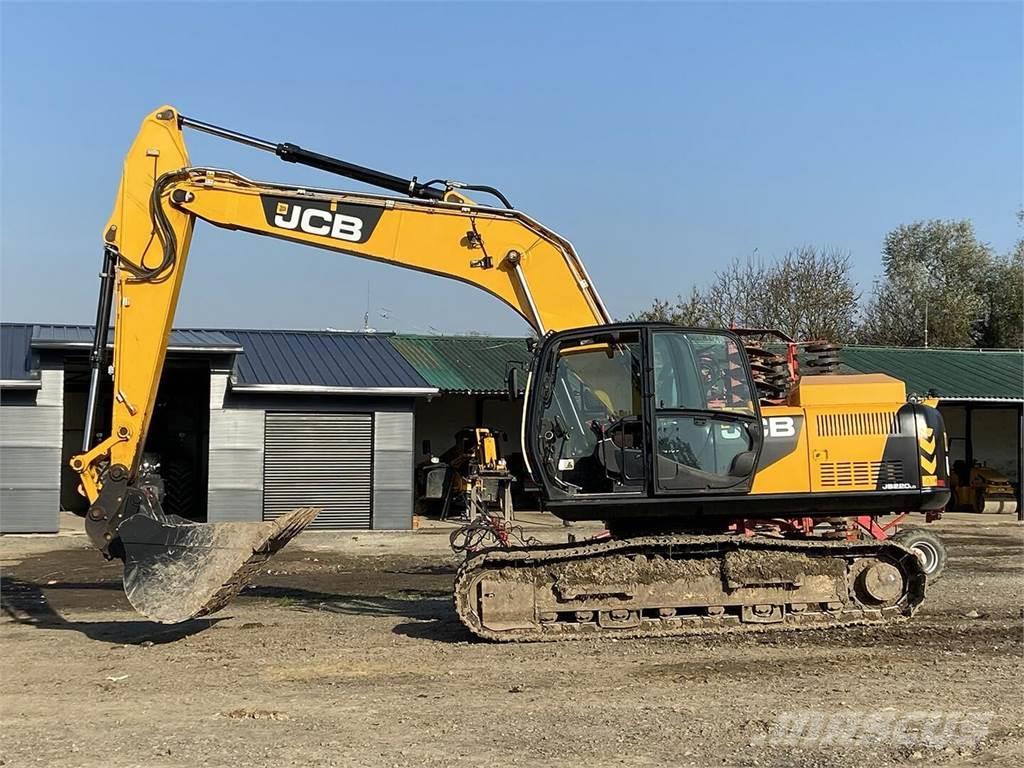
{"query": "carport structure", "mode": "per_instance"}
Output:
(980, 392)
(471, 374)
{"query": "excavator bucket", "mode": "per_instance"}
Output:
(176, 570)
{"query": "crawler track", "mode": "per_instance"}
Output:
(660, 586)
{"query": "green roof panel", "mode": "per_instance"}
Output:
(953, 374)
(480, 364)
(476, 365)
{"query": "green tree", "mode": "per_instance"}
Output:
(1004, 293)
(934, 290)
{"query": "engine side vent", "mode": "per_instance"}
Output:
(867, 423)
(844, 474)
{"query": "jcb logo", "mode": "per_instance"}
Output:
(779, 426)
(324, 218)
(313, 221)
(774, 426)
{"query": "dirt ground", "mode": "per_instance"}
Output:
(348, 652)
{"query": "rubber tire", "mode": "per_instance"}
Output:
(179, 489)
(928, 546)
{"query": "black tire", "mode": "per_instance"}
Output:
(179, 490)
(979, 501)
(929, 548)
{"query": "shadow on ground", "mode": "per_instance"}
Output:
(25, 603)
(430, 613)
(426, 614)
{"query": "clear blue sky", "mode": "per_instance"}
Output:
(664, 140)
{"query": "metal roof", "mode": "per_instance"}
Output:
(322, 362)
(335, 362)
(479, 365)
(463, 364)
(16, 370)
(952, 374)
(182, 340)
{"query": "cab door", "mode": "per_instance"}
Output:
(585, 415)
(704, 419)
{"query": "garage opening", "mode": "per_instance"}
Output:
(178, 436)
(323, 460)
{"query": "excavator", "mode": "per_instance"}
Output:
(725, 511)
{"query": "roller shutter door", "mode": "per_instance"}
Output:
(323, 460)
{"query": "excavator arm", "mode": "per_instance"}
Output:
(174, 569)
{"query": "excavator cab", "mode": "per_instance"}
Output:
(644, 410)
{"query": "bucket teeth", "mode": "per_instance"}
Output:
(177, 571)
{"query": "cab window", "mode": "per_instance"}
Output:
(591, 423)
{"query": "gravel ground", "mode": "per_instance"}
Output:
(348, 652)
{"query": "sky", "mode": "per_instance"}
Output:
(664, 140)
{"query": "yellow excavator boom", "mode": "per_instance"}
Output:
(175, 570)
(502, 251)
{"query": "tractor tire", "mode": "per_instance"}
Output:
(179, 489)
(929, 548)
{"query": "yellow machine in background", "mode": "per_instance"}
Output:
(981, 489)
(471, 475)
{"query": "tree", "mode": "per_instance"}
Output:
(1004, 289)
(689, 312)
(934, 290)
(808, 293)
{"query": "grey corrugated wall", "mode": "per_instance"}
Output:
(235, 486)
(392, 470)
(30, 458)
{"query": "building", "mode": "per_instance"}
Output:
(252, 423)
(471, 375)
(248, 424)
(980, 397)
